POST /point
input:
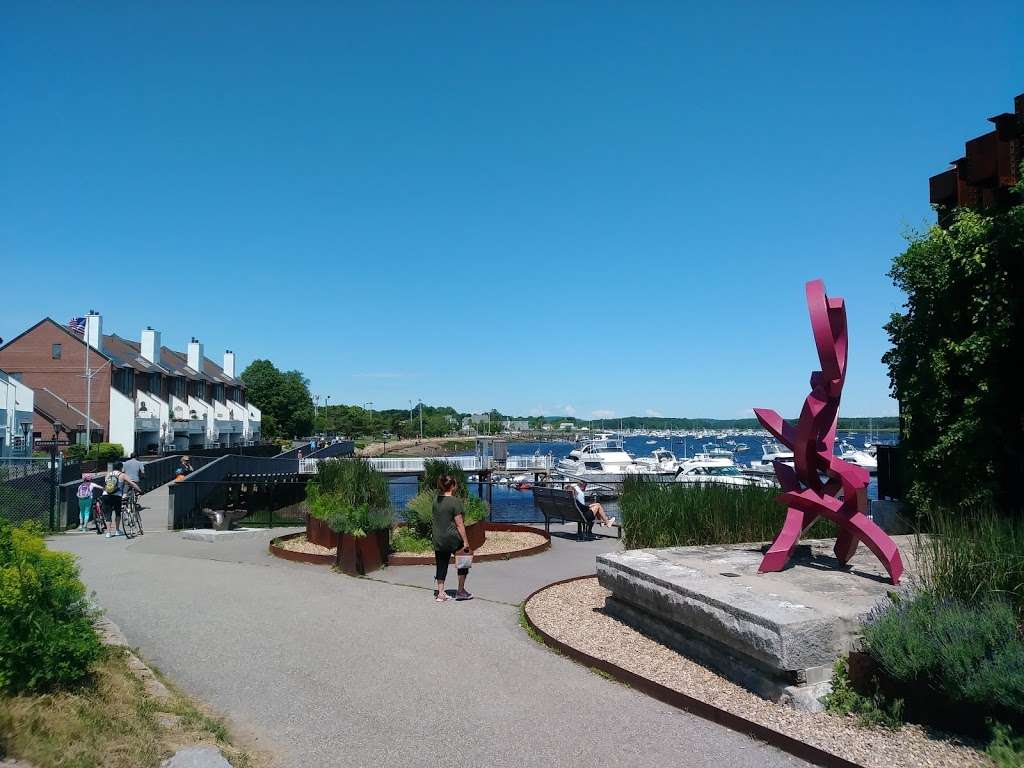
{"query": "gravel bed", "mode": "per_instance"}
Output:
(498, 543)
(573, 613)
(299, 544)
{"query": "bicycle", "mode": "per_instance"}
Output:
(131, 522)
(98, 520)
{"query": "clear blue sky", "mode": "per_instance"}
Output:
(595, 208)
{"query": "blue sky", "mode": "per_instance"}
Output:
(590, 208)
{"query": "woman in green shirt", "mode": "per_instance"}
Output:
(449, 537)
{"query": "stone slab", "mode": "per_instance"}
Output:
(766, 631)
(209, 535)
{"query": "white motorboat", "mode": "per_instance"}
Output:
(862, 459)
(661, 460)
(601, 460)
(770, 453)
(714, 467)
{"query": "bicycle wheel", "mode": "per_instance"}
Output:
(130, 521)
(97, 518)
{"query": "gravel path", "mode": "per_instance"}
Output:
(573, 614)
(327, 670)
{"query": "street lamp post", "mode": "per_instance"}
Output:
(421, 419)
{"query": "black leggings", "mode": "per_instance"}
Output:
(441, 558)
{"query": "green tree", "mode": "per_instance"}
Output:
(955, 351)
(283, 397)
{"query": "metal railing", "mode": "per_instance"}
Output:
(415, 466)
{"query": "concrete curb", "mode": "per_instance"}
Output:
(682, 701)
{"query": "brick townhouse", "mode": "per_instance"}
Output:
(145, 396)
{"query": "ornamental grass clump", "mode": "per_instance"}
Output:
(659, 514)
(974, 554)
(47, 640)
(435, 469)
(351, 496)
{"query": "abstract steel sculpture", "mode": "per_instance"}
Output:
(805, 495)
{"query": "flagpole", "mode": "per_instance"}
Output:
(88, 389)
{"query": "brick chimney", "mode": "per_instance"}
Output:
(94, 330)
(151, 345)
(195, 355)
(229, 363)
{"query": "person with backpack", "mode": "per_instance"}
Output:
(85, 499)
(113, 494)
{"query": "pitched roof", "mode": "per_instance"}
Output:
(54, 408)
(53, 322)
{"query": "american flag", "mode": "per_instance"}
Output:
(77, 325)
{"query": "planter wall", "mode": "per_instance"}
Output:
(360, 555)
(317, 532)
(477, 534)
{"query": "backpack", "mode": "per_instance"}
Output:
(85, 490)
(110, 487)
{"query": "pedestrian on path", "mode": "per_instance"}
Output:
(113, 494)
(85, 499)
(449, 537)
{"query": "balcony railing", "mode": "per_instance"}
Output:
(229, 426)
(147, 423)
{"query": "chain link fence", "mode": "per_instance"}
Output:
(27, 487)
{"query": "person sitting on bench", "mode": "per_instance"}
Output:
(589, 511)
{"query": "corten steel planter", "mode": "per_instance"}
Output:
(359, 555)
(318, 532)
(477, 534)
(346, 556)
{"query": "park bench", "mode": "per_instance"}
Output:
(558, 504)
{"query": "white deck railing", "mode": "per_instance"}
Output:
(416, 465)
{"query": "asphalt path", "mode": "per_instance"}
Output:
(328, 670)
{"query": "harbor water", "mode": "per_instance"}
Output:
(512, 506)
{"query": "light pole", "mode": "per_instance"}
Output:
(370, 409)
(421, 419)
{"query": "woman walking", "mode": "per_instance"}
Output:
(449, 537)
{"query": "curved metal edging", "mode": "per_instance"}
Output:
(687, 703)
(298, 557)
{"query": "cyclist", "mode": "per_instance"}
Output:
(113, 495)
(134, 469)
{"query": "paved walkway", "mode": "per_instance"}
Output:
(328, 670)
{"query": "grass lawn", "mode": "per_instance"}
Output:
(111, 722)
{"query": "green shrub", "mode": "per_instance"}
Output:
(474, 509)
(870, 709)
(965, 656)
(405, 540)
(77, 451)
(419, 514)
(47, 640)
(434, 469)
(974, 554)
(350, 496)
(96, 452)
(656, 514)
(1006, 748)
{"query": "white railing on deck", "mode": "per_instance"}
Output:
(416, 465)
(529, 462)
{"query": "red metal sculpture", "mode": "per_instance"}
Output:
(805, 494)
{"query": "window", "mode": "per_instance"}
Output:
(218, 393)
(55, 351)
(178, 388)
(123, 380)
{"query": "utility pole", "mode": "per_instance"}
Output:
(421, 419)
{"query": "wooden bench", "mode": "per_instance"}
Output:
(557, 504)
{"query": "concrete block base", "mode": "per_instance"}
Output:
(777, 634)
(210, 536)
